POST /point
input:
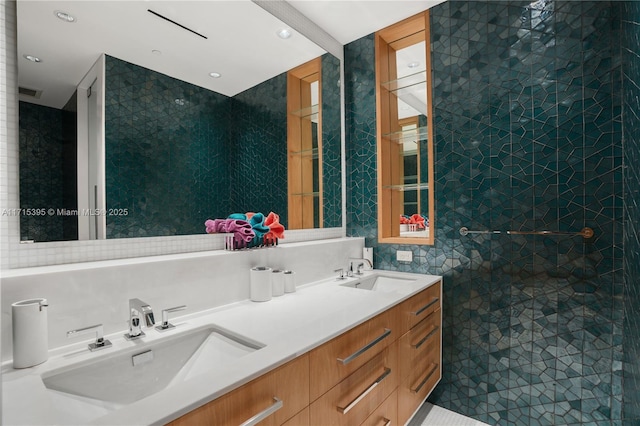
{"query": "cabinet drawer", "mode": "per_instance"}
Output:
(418, 307)
(357, 396)
(289, 384)
(414, 389)
(386, 414)
(417, 343)
(336, 359)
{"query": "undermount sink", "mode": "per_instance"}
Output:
(129, 375)
(378, 283)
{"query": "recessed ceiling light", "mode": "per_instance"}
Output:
(64, 16)
(215, 74)
(32, 58)
(413, 64)
(284, 33)
(156, 52)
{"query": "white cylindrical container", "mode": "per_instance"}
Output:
(260, 284)
(277, 282)
(367, 253)
(289, 282)
(30, 332)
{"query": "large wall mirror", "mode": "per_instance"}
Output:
(146, 118)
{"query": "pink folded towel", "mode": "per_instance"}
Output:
(241, 229)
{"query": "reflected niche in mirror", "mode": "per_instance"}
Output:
(175, 155)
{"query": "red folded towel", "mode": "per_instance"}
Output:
(417, 219)
(276, 229)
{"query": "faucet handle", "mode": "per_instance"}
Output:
(341, 276)
(100, 342)
(166, 325)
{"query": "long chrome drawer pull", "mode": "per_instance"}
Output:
(264, 414)
(365, 348)
(425, 338)
(345, 410)
(386, 421)
(433, 370)
(425, 307)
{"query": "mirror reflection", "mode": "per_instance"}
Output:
(175, 151)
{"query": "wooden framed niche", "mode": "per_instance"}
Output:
(405, 132)
(304, 145)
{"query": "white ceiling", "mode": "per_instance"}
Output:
(349, 20)
(242, 44)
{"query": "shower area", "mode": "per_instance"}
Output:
(529, 138)
(529, 100)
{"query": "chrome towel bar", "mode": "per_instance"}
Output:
(584, 233)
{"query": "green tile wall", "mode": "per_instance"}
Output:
(165, 141)
(527, 137)
(47, 145)
(630, 13)
(178, 154)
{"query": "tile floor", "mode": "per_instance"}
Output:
(432, 415)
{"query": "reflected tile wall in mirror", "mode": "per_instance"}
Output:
(331, 142)
(165, 153)
(47, 143)
(257, 149)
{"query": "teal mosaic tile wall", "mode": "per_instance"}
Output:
(178, 154)
(45, 149)
(527, 137)
(331, 142)
(257, 149)
(630, 13)
(165, 140)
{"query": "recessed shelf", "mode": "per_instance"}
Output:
(306, 194)
(407, 187)
(306, 153)
(408, 136)
(405, 82)
(308, 112)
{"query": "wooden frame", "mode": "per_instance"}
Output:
(403, 34)
(300, 153)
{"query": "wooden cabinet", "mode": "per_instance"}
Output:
(376, 374)
(343, 355)
(352, 400)
(386, 414)
(282, 392)
(419, 307)
(420, 350)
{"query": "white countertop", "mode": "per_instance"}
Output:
(288, 326)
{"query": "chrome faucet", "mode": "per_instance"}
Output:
(138, 309)
(359, 265)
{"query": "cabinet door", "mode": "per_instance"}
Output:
(277, 396)
(418, 307)
(356, 397)
(336, 359)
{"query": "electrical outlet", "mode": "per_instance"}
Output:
(404, 256)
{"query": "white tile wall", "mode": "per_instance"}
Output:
(9, 225)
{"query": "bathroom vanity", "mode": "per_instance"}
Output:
(333, 352)
(378, 372)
